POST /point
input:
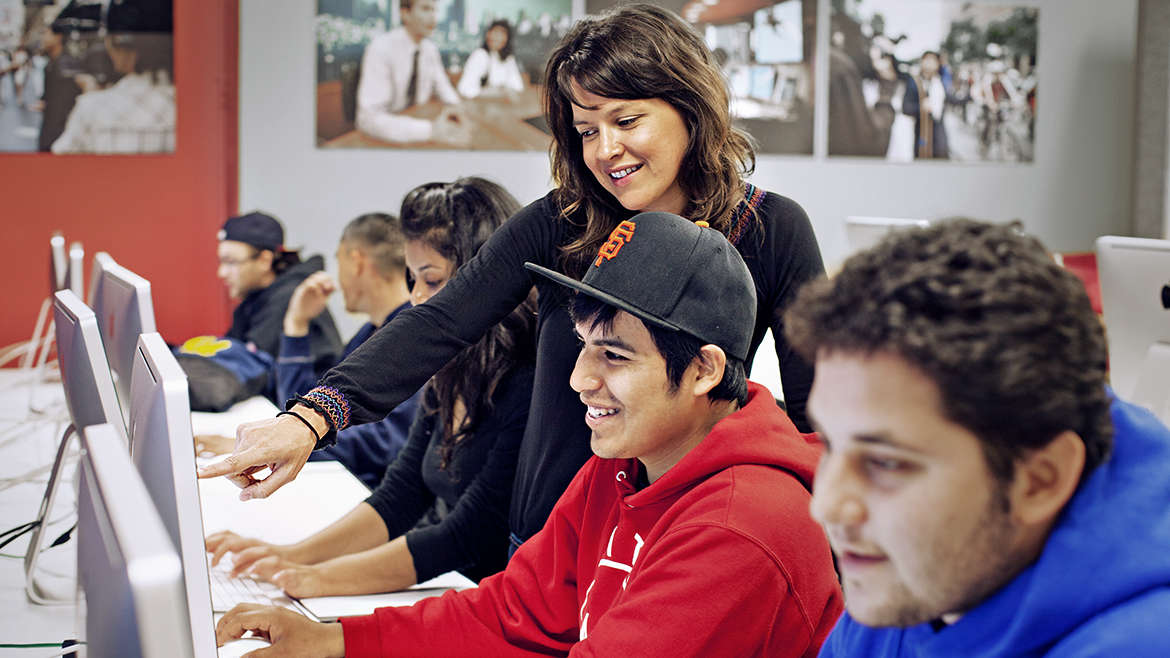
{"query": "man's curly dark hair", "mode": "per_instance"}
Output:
(1007, 335)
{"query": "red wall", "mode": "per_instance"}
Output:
(156, 215)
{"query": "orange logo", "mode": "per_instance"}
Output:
(205, 346)
(620, 236)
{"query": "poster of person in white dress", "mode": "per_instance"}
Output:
(87, 77)
(917, 80)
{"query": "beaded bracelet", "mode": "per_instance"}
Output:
(303, 420)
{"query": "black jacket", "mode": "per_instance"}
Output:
(259, 319)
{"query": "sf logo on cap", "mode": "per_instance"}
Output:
(619, 237)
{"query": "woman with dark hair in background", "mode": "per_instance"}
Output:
(640, 118)
(492, 68)
(455, 472)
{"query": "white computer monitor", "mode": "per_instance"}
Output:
(76, 273)
(100, 260)
(1134, 273)
(38, 346)
(164, 453)
(122, 303)
(863, 232)
(90, 398)
(58, 263)
(129, 573)
(85, 373)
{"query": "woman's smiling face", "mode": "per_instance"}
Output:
(634, 148)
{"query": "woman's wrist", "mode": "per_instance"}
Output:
(312, 417)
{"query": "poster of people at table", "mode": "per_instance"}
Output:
(87, 76)
(446, 74)
(766, 50)
(914, 80)
(467, 74)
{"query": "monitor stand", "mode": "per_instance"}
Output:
(1153, 384)
(35, 592)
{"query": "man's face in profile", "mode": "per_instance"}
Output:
(921, 528)
(420, 20)
(631, 406)
(242, 268)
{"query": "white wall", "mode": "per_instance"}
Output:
(1078, 187)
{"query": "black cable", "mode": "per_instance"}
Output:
(23, 528)
(64, 536)
(17, 532)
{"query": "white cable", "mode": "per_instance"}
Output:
(35, 474)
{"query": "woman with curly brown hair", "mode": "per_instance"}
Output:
(640, 117)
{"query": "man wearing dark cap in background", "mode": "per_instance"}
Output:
(688, 534)
(258, 271)
(137, 113)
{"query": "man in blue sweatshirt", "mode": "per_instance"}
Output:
(984, 492)
(371, 272)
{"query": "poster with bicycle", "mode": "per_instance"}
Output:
(932, 79)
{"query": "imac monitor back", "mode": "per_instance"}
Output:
(164, 452)
(85, 373)
(124, 310)
(1134, 275)
(75, 275)
(128, 569)
(58, 263)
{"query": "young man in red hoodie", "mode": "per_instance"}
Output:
(688, 534)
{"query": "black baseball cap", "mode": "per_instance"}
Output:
(255, 228)
(675, 274)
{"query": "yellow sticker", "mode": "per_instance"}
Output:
(205, 345)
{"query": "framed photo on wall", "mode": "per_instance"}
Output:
(87, 77)
(766, 50)
(935, 80)
(435, 74)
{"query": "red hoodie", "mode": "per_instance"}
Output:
(718, 557)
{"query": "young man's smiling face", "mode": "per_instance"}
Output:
(920, 526)
(632, 409)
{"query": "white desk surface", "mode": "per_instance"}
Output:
(28, 443)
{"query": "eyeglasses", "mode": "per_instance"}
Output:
(236, 262)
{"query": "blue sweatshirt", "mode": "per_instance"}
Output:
(1101, 587)
(366, 449)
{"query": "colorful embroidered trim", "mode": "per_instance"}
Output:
(740, 217)
(332, 403)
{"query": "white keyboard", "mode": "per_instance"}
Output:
(227, 592)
